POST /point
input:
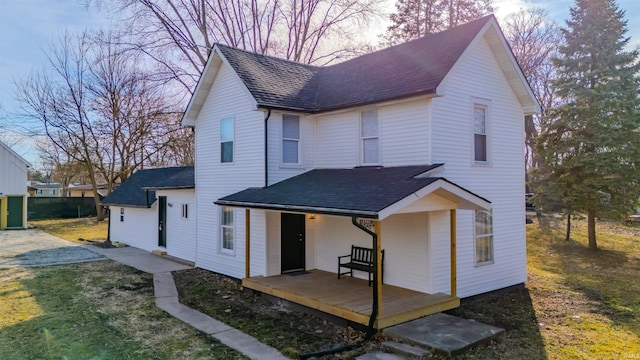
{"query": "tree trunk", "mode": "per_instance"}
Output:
(591, 229)
(568, 237)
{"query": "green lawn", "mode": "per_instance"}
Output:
(587, 302)
(98, 310)
(577, 304)
(74, 229)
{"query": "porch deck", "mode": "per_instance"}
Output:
(350, 298)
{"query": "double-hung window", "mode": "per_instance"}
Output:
(227, 230)
(480, 132)
(290, 139)
(227, 134)
(369, 136)
(484, 237)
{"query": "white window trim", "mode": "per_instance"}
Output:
(233, 141)
(299, 140)
(362, 138)
(475, 243)
(221, 248)
(486, 104)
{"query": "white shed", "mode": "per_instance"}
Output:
(13, 189)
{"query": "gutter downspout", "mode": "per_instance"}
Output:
(266, 148)
(374, 311)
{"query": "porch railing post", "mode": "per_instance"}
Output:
(247, 251)
(378, 266)
(452, 221)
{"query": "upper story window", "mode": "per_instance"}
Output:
(480, 117)
(370, 140)
(484, 237)
(227, 134)
(290, 139)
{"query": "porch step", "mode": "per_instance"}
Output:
(445, 334)
(410, 351)
(159, 252)
(378, 355)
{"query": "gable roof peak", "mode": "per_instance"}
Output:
(414, 68)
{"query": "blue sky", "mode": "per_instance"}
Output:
(27, 27)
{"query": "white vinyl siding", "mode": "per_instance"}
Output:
(181, 229)
(227, 97)
(139, 226)
(483, 237)
(369, 137)
(401, 126)
(227, 230)
(290, 139)
(502, 183)
(227, 135)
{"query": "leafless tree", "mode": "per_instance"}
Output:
(59, 166)
(534, 38)
(179, 34)
(99, 106)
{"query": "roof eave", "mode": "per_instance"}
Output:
(128, 205)
(315, 111)
(300, 209)
(177, 187)
(461, 197)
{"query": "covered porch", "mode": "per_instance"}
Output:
(350, 298)
(351, 206)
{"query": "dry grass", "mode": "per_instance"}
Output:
(98, 310)
(74, 229)
(587, 303)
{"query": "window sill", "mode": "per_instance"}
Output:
(230, 253)
(291, 166)
(484, 263)
(482, 163)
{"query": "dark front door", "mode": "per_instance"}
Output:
(292, 242)
(15, 211)
(162, 221)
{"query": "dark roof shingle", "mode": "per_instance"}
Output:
(363, 190)
(413, 68)
(136, 191)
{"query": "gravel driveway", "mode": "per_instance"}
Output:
(35, 247)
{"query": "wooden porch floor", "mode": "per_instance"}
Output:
(350, 298)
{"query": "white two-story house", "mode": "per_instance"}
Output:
(414, 153)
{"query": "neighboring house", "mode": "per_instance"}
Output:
(13, 189)
(87, 190)
(155, 210)
(46, 190)
(416, 150)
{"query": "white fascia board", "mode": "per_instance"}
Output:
(202, 89)
(460, 197)
(533, 107)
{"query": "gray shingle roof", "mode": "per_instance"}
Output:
(135, 192)
(362, 191)
(413, 68)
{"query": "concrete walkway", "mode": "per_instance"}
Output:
(166, 296)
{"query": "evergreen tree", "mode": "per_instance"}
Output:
(590, 145)
(417, 18)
